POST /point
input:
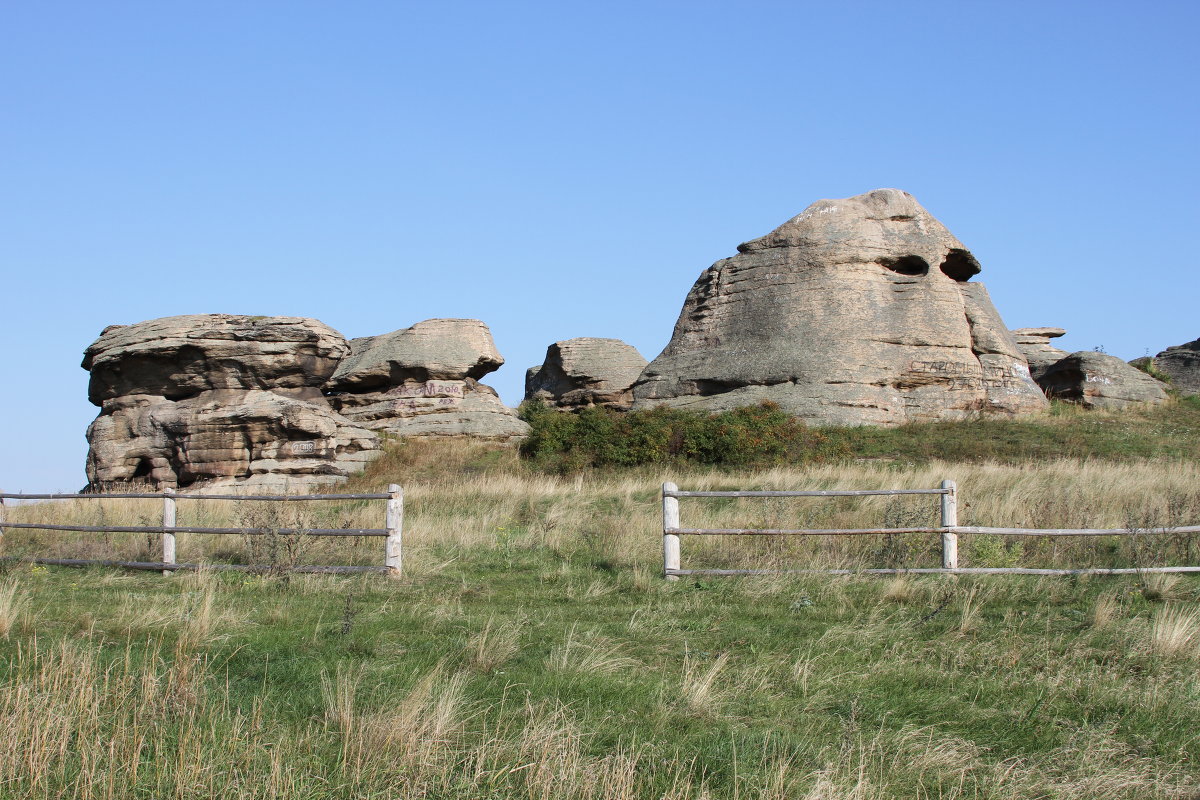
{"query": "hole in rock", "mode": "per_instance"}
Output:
(143, 469)
(906, 265)
(960, 265)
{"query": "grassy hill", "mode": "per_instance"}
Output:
(532, 651)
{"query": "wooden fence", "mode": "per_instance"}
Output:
(949, 530)
(392, 530)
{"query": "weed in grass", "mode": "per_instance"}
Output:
(698, 689)
(1159, 586)
(898, 590)
(13, 604)
(596, 656)
(1175, 632)
(1105, 609)
(495, 644)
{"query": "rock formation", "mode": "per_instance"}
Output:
(1098, 380)
(424, 381)
(220, 400)
(857, 311)
(586, 372)
(1181, 364)
(1034, 344)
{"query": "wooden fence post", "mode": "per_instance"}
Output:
(670, 540)
(395, 528)
(168, 521)
(950, 520)
(1, 519)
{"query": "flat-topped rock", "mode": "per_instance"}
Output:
(423, 381)
(586, 372)
(1034, 344)
(436, 349)
(857, 311)
(1098, 380)
(179, 357)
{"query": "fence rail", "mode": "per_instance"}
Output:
(393, 530)
(949, 530)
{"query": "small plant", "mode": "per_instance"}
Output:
(13, 603)
(495, 644)
(1175, 631)
(698, 687)
(1104, 610)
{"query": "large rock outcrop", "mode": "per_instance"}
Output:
(586, 372)
(1098, 380)
(219, 400)
(1034, 344)
(424, 381)
(857, 311)
(1181, 364)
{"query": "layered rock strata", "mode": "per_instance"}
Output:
(1034, 344)
(1181, 364)
(1098, 380)
(220, 400)
(586, 372)
(857, 311)
(424, 381)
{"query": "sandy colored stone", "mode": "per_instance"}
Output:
(586, 372)
(857, 311)
(179, 357)
(1098, 380)
(1182, 364)
(1034, 344)
(423, 381)
(218, 401)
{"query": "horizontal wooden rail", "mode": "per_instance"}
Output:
(45, 526)
(937, 571)
(814, 493)
(797, 532)
(161, 495)
(1077, 531)
(960, 529)
(166, 566)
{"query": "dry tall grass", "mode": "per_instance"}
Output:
(504, 507)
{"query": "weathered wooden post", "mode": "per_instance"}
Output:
(1, 518)
(670, 523)
(395, 529)
(949, 520)
(168, 521)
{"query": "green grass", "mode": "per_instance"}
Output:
(764, 436)
(941, 687)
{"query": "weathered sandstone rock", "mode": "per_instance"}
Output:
(1182, 364)
(586, 372)
(423, 381)
(857, 311)
(179, 357)
(220, 400)
(1034, 344)
(1098, 380)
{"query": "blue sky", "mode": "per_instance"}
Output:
(563, 169)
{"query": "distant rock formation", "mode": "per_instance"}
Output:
(1034, 344)
(220, 400)
(857, 311)
(424, 381)
(1181, 363)
(586, 372)
(1098, 380)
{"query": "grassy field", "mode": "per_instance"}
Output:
(532, 651)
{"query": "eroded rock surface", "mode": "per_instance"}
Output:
(1034, 344)
(1182, 364)
(586, 372)
(857, 311)
(1098, 380)
(220, 400)
(423, 381)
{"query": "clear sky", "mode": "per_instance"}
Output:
(562, 169)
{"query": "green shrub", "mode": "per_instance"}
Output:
(754, 436)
